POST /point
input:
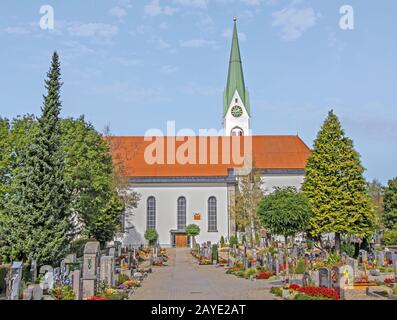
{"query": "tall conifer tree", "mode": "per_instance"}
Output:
(390, 205)
(335, 186)
(38, 221)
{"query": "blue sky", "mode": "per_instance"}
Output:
(134, 65)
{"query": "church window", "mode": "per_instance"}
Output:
(151, 213)
(181, 213)
(212, 215)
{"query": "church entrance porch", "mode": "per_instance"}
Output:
(179, 239)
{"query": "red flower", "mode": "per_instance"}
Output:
(389, 280)
(294, 287)
(97, 298)
(320, 292)
(264, 275)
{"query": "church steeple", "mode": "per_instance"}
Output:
(235, 78)
(236, 104)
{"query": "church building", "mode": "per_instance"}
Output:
(193, 180)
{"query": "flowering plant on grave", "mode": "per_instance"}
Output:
(265, 275)
(61, 292)
(389, 281)
(294, 287)
(320, 292)
(97, 298)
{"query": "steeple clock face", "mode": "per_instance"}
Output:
(237, 111)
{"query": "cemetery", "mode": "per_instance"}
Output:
(109, 274)
(311, 274)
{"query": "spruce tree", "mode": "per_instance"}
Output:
(38, 221)
(390, 205)
(335, 186)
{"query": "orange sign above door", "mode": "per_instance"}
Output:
(197, 216)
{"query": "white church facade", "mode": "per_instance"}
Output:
(193, 180)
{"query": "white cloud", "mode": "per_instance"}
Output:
(254, 3)
(154, 8)
(17, 30)
(118, 12)
(228, 33)
(198, 43)
(294, 22)
(100, 30)
(169, 69)
(159, 43)
(127, 62)
(193, 3)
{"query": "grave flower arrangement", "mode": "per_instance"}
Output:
(97, 298)
(312, 291)
(264, 275)
(63, 293)
(113, 294)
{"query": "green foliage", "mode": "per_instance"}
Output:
(390, 237)
(193, 230)
(244, 239)
(37, 221)
(215, 254)
(3, 274)
(222, 242)
(284, 212)
(63, 293)
(77, 246)
(301, 296)
(246, 201)
(90, 176)
(376, 192)
(151, 235)
(250, 272)
(277, 291)
(335, 186)
(300, 267)
(233, 241)
(123, 278)
(332, 259)
(348, 248)
(390, 205)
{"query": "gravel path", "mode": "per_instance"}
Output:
(184, 279)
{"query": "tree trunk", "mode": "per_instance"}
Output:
(286, 263)
(337, 243)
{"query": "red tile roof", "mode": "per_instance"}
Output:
(268, 152)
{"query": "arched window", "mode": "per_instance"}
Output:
(151, 213)
(181, 212)
(236, 131)
(212, 215)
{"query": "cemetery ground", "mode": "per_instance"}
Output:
(205, 272)
(185, 279)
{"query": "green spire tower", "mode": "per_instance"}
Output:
(236, 104)
(235, 77)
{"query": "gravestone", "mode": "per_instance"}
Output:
(353, 263)
(15, 278)
(76, 284)
(324, 277)
(112, 251)
(37, 292)
(33, 271)
(106, 274)
(277, 267)
(48, 282)
(306, 279)
(380, 258)
(363, 256)
(335, 282)
(71, 258)
(90, 268)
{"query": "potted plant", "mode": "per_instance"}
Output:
(151, 235)
(192, 231)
